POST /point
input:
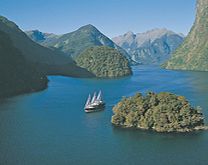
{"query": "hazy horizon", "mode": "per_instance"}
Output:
(111, 17)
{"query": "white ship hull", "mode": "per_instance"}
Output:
(95, 108)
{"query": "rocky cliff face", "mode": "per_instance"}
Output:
(193, 53)
(152, 47)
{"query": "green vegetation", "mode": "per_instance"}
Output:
(16, 74)
(163, 112)
(192, 54)
(104, 62)
(78, 41)
(48, 61)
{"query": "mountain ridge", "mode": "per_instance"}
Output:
(41, 37)
(75, 42)
(48, 60)
(151, 47)
(193, 53)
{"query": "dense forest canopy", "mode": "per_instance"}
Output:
(163, 112)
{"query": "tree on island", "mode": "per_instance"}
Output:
(163, 112)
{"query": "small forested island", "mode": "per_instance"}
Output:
(104, 62)
(163, 112)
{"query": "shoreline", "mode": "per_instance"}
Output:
(195, 129)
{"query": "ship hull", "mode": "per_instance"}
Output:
(96, 108)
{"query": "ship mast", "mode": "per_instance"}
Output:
(94, 98)
(88, 100)
(99, 96)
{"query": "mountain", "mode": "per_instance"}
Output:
(40, 37)
(48, 61)
(152, 47)
(193, 53)
(76, 42)
(16, 74)
(104, 62)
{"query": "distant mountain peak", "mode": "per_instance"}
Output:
(74, 43)
(152, 46)
(89, 27)
(155, 33)
(129, 33)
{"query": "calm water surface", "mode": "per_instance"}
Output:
(51, 128)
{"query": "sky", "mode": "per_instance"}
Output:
(112, 17)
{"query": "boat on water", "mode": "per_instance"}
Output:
(95, 103)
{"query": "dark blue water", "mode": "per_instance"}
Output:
(51, 128)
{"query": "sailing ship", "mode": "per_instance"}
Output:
(95, 103)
